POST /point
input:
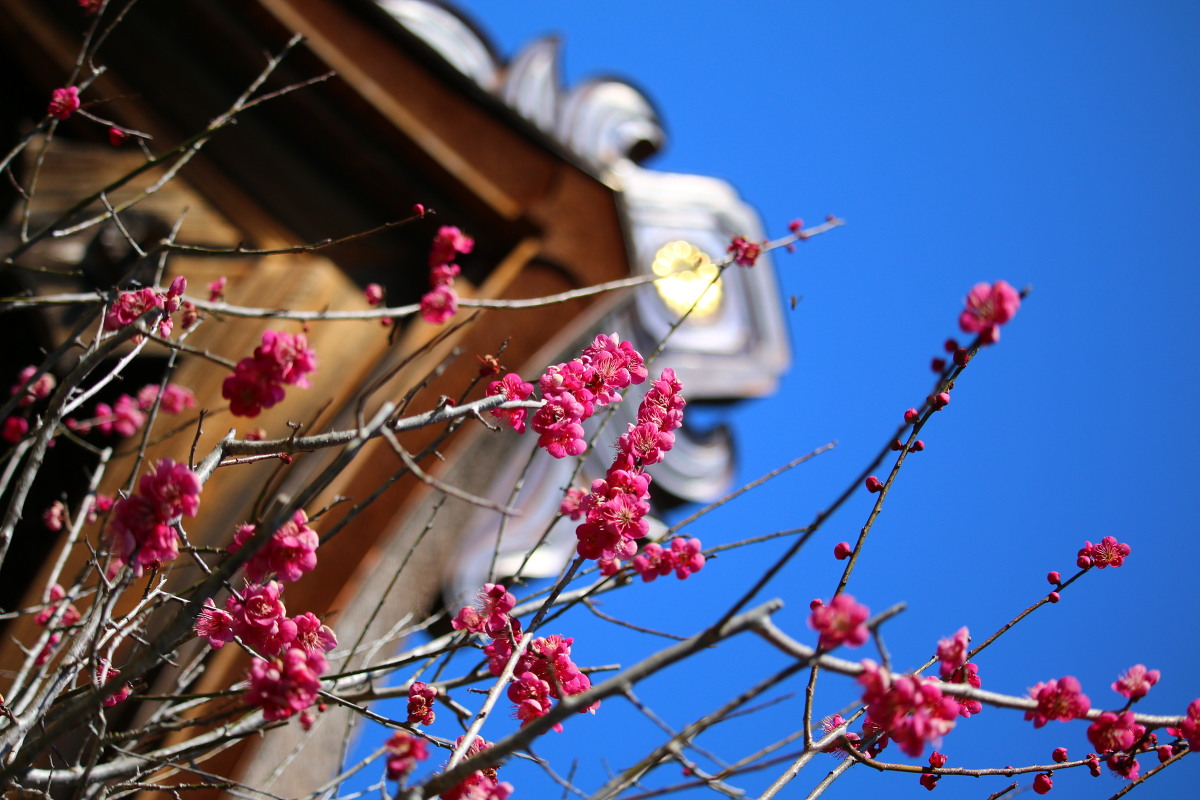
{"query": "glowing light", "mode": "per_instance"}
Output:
(687, 272)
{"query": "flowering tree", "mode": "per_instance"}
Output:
(504, 660)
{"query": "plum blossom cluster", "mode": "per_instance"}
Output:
(1136, 682)
(1108, 552)
(683, 557)
(953, 668)
(106, 674)
(440, 303)
(286, 678)
(63, 102)
(989, 307)
(56, 517)
(60, 613)
(614, 511)
(420, 703)
(482, 784)
(848, 739)
(129, 306)
(1190, 727)
(745, 252)
(403, 752)
(258, 618)
(289, 553)
(142, 530)
(513, 388)
(572, 391)
(127, 414)
(257, 381)
(911, 710)
(33, 390)
(376, 295)
(286, 684)
(490, 616)
(842, 621)
(543, 672)
(30, 390)
(615, 508)
(1112, 733)
(1062, 700)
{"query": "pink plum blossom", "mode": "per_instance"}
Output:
(989, 307)
(439, 304)
(63, 102)
(420, 703)
(403, 752)
(288, 554)
(745, 253)
(840, 622)
(1136, 682)
(1062, 700)
(952, 652)
(286, 684)
(1107, 553)
(447, 244)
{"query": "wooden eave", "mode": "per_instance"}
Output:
(395, 126)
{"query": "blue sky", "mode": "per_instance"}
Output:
(1051, 145)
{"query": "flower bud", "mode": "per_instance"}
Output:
(841, 551)
(874, 484)
(911, 416)
(962, 356)
(1054, 578)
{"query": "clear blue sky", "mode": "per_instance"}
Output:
(1049, 144)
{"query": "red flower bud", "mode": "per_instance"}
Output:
(962, 356)
(940, 400)
(874, 484)
(1053, 597)
(1054, 578)
(841, 551)
(951, 345)
(918, 446)
(1060, 755)
(938, 364)
(911, 416)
